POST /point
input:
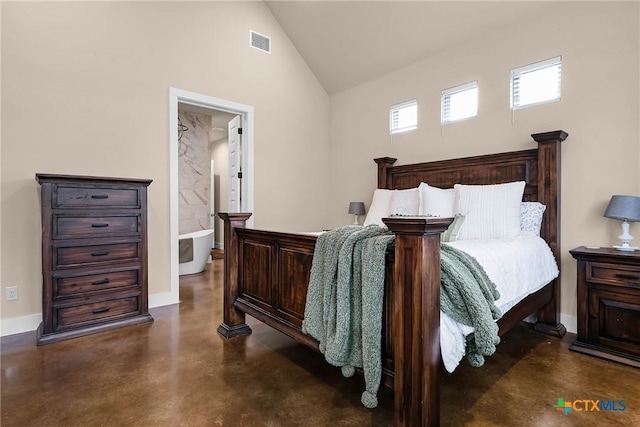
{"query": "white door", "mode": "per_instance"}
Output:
(235, 168)
(212, 204)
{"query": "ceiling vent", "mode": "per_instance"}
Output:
(260, 42)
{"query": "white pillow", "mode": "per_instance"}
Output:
(531, 217)
(452, 232)
(379, 208)
(405, 202)
(491, 211)
(436, 201)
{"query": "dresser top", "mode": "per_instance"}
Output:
(47, 177)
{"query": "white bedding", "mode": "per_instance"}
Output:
(518, 266)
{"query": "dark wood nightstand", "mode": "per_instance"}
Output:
(608, 304)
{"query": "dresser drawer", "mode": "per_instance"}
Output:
(610, 274)
(80, 255)
(81, 315)
(71, 196)
(96, 282)
(66, 226)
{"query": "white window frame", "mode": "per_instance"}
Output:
(515, 82)
(445, 102)
(396, 109)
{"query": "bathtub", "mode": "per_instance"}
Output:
(202, 241)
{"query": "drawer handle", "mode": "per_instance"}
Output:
(100, 225)
(101, 282)
(99, 196)
(628, 276)
(100, 253)
(100, 310)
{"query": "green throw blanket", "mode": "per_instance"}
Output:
(468, 296)
(343, 310)
(344, 303)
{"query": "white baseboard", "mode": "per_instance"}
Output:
(218, 245)
(166, 298)
(570, 322)
(18, 325)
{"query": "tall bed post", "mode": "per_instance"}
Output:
(548, 194)
(384, 163)
(415, 323)
(233, 323)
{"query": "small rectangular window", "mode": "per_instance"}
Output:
(536, 83)
(459, 103)
(403, 117)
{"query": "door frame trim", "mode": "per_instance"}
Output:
(177, 96)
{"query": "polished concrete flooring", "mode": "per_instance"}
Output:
(178, 372)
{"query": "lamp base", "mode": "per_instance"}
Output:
(625, 248)
(625, 238)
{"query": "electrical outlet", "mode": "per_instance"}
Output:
(12, 293)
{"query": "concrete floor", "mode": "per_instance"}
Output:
(178, 372)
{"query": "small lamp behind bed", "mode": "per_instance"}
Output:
(625, 208)
(355, 209)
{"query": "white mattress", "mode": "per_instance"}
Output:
(518, 266)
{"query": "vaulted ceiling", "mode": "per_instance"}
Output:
(347, 43)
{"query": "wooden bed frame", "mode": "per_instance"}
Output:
(266, 274)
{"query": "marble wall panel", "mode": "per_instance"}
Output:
(194, 173)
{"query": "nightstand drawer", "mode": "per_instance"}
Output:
(620, 275)
(65, 226)
(65, 287)
(81, 315)
(74, 256)
(80, 197)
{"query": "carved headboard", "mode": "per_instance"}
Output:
(539, 168)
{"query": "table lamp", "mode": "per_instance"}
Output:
(355, 209)
(625, 208)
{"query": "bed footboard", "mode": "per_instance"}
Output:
(266, 276)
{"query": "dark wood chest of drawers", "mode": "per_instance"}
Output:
(94, 255)
(608, 304)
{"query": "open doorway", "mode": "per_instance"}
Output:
(213, 106)
(206, 182)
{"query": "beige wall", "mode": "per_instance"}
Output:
(599, 108)
(85, 90)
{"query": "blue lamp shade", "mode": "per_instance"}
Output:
(356, 208)
(624, 208)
